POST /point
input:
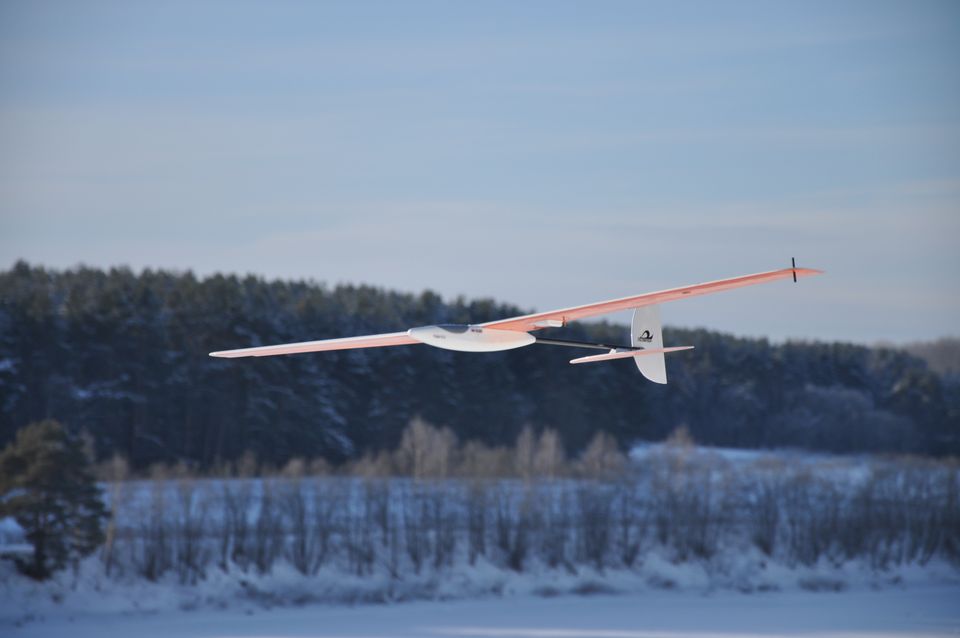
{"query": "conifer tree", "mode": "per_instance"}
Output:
(47, 486)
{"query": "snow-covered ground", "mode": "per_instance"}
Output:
(658, 599)
(641, 452)
(931, 610)
(883, 533)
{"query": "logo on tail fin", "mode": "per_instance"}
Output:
(645, 337)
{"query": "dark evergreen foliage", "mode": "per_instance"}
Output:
(47, 485)
(124, 356)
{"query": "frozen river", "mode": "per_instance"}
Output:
(932, 610)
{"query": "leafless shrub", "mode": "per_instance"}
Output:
(155, 553)
(950, 512)
(296, 468)
(554, 523)
(416, 538)
(426, 451)
(602, 459)
(236, 501)
(358, 531)
(869, 525)
(523, 453)
(680, 439)
(514, 515)
(267, 538)
(115, 472)
(899, 512)
(930, 504)
(685, 504)
(763, 509)
(442, 523)
(631, 521)
(379, 465)
(330, 501)
(810, 511)
(479, 461)
(594, 512)
(477, 506)
(393, 558)
(247, 466)
(319, 467)
(549, 458)
(294, 502)
(190, 518)
(377, 495)
(599, 511)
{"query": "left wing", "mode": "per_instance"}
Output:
(368, 341)
(557, 318)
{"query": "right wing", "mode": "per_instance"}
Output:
(347, 343)
(557, 318)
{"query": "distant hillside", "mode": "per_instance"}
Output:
(942, 355)
(124, 356)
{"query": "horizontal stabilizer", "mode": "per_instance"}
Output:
(623, 354)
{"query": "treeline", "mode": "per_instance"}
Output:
(679, 502)
(123, 356)
(942, 355)
(424, 452)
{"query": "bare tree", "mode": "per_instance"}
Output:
(602, 459)
(808, 510)
(594, 512)
(554, 524)
(684, 504)
(415, 532)
(295, 505)
(330, 500)
(480, 461)
(477, 508)
(116, 473)
(267, 532)
(155, 553)
(236, 498)
(631, 523)
(442, 521)
(513, 520)
(359, 531)
(523, 453)
(764, 510)
(191, 516)
(549, 457)
(426, 451)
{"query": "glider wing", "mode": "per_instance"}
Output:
(368, 341)
(557, 318)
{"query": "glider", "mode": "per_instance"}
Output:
(646, 339)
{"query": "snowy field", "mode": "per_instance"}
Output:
(919, 611)
(688, 543)
(661, 598)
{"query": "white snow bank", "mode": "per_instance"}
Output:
(89, 593)
(921, 611)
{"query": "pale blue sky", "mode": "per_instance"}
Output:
(542, 153)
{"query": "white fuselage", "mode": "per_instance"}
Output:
(470, 338)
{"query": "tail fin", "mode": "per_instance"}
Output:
(646, 332)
